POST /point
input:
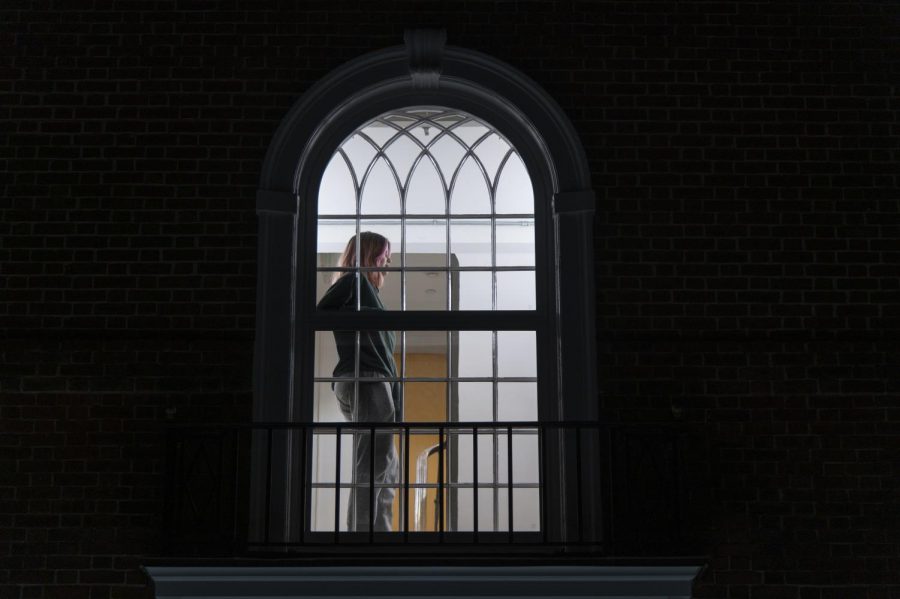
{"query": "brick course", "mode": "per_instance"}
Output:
(747, 245)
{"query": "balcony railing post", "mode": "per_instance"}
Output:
(475, 483)
(509, 482)
(304, 489)
(372, 483)
(440, 490)
(337, 483)
(268, 502)
(406, 484)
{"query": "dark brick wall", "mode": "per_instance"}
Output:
(746, 159)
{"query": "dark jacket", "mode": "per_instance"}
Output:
(376, 348)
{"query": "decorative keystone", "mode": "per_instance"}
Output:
(425, 49)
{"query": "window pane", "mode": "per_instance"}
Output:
(426, 242)
(517, 401)
(326, 407)
(324, 280)
(470, 132)
(515, 242)
(475, 290)
(380, 191)
(463, 454)
(486, 501)
(402, 121)
(322, 510)
(388, 228)
(448, 153)
(425, 402)
(337, 194)
(470, 193)
(501, 441)
(525, 457)
(491, 152)
(475, 402)
(515, 290)
(379, 133)
(486, 473)
(516, 354)
(473, 354)
(449, 118)
(389, 294)
(426, 354)
(426, 290)
(331, 239)
(402, 152)
(360, 153)
(470, 241)
(465, 512)
(324, 455)
(526, 509)
(335, 351)
(424, 132)
(425, 194)
(514, 192)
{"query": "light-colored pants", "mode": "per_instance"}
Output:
(374, 404)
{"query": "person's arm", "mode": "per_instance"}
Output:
(339, 296)
(342, 295)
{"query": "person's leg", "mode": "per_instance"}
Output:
(347, 402)
(387, 463)
(375, 404)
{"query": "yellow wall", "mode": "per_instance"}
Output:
(422, 402)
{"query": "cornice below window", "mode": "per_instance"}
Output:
(535, 582)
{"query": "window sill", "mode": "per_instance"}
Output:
(464, 581)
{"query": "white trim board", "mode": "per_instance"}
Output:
(409, 582)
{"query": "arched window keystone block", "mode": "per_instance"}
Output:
(480, 181)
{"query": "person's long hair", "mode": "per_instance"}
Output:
(371, 245)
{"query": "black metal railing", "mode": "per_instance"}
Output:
(532, 486)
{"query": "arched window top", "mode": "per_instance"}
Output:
(426, 161)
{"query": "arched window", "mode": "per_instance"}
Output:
(456, 202)
(479, 182)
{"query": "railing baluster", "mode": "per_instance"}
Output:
(542, 507)
(406, 485)
(302, 482)
(372, 484)
(337, 484)
(578, 482)
(441, 483)
(509, 482)
(475, 481)
(267, 505)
